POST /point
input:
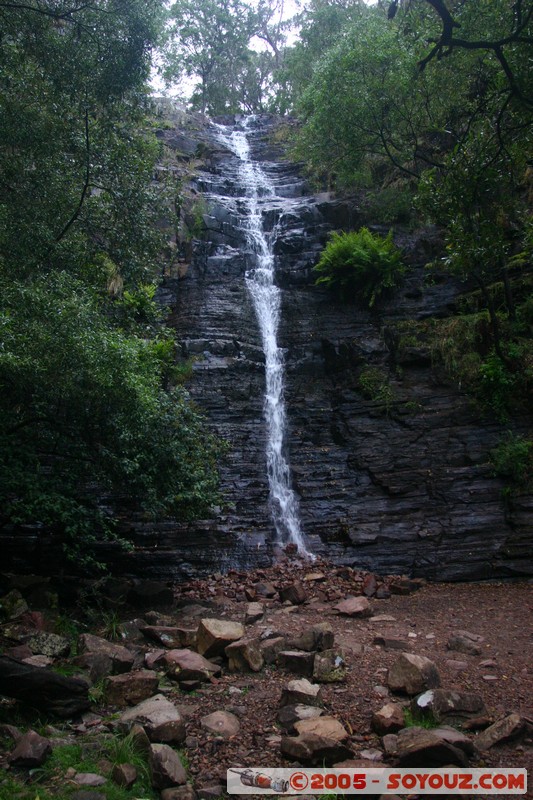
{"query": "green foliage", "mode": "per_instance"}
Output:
(375, 385)
(360, 265)
(420, 720)
(495, 386)
(513, 461)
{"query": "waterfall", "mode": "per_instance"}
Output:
(266, 297)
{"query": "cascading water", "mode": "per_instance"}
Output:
(266, 298)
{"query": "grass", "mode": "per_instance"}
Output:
(414, 720)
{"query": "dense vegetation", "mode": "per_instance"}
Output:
(90, 402)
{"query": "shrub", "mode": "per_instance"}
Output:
(360, 265)
(513, 460)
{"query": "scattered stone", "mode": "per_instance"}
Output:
(124, 775)
(445, 704)
(153, 659)
(391, 643)
(406, 586)
(329, 667)
(223, 723)
(265, 589)
(121, 658)
(185, 792)
(212, 792)
(185, 665)
(159, 717)
(389, 719)
(372, 754)
(87, 795)
(31, 751)
(214, 635)
(294, 592)
(96, 665)
(382, 618)
(413, 674)
(457, 666)
(316, 638)
(49, 644)
(354, 607)
(311, 577)
(245, 656)
(297, 661)
(390, 744)
(501, 731)
(418, 747)
(465, 642)
(130, 688)
(370, 585)
(39, 661)
(166, 768)
(323, 727)
(289, 715)
(10, 732)
(455, 737)
(254, 612)
(301, 692)
(170, 636)
(88, 779)
(308, 748)
(140, 739)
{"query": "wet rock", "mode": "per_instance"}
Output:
(185, 665)
(418, 747)
(354, 607)
(501, 731)
(412, 674)
(222, 723)
(307, 748)
(297, 661)
(214, 635)
(245, 656)
(316, 638)
(329, 667)
(465, 642)
(13, 605)
(159, 717)
(49, 644)
(165, 766)
(31, 751)
(288, 715)
(294, 593)
(121, 658)
(130, 688)
(301, 692)
(389, 719)
(124, 775)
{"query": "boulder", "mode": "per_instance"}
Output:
(294, 593)
(271, 648)
(329, 667)
(370, 585)
(185, 792)
(307, 748)
(413, 674)
(448, 705)
(389, 719)
(89, 779)
(297, 661)
(124, 775)
(31, 751)
(121, 658)
(130, 688)
(324, 727)
(316, 638)
(170, 636)
(49, 644)
(501, 731)
(43, 688)
(165, 765)
(465, 642)
(265, 589)
(222, 723)
(353, 607)
(96, 665)
(245, 656)
(391, 643)
(158, 716)
(13, 605)
(301, 692)
(254, 612)
(418, 747)
(288, 715)
(186, 665)
(214, 635)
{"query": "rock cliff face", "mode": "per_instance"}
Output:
(398, 483)
(405, 488)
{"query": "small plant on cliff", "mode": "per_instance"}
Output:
(512, 459)
(360, 265)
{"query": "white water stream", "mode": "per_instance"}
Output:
(266, 298)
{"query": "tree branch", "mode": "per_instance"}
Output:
(85, 189)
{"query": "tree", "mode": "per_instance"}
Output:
(89, 398)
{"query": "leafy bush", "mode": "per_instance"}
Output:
(513, 460)
(360, 265)
(375, 385)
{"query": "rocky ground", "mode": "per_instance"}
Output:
(199, 696)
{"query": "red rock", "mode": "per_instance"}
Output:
(31, 751)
